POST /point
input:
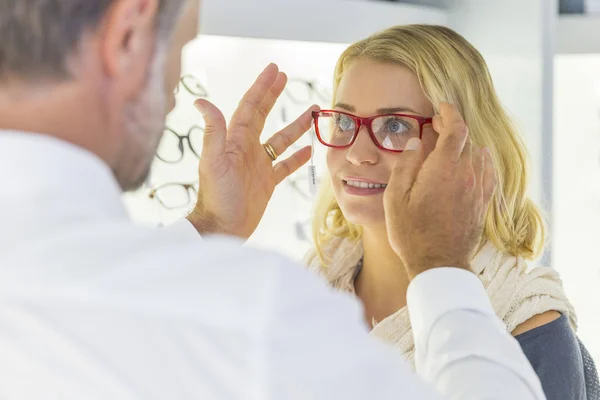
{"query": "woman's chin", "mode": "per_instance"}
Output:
(364, 217)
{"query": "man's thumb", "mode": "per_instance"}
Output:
(407, 166)
(215, 129)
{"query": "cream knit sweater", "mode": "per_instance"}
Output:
(517, 292)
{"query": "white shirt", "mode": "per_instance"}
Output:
(94, 307)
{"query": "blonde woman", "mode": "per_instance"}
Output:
(386, 90)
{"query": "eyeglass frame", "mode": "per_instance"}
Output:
(367, 121)
(187, 186)
(182, 81)
(295, 185)
(181, 146)
(315, 89)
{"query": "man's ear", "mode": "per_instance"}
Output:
(127, 38)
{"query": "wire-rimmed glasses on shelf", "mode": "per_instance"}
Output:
(302, 91)
(174, 195)
(299, 185)
(302, 228)
(172, 145)
(192, 85)
(390, 132)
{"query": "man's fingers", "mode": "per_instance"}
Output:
(283, 139)
(452, 141)
(290, 165)
(468, 153)
(450, 113)
(253, 99)
(478, 162)
(438, 124)
(260, 116)
(215, 130)
(406, 168)
(452, 130)
(397, 194)
(490, 178)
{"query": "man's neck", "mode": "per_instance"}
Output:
(383, 282)
(62, 111)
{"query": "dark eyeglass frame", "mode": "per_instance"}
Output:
(182, 139)
(315, 89)
(368, 121)
(187, 186)
(192, 85)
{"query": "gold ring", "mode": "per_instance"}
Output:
(270, 151)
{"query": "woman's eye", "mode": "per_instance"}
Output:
(395, 126)
(346, 124)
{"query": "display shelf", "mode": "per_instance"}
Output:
(332, 21)
(578, 34)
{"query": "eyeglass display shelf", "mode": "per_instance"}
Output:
(332, 21)
(578, 34)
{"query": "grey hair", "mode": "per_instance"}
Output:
(38, 36)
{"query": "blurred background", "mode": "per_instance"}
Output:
(544, 56)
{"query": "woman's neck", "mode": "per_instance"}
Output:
(382, 282)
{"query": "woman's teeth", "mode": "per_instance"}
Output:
(365, 185)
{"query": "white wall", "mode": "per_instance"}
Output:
(516, 38)
(332, 21)
(577, 187)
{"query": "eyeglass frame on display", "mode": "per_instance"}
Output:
(312, 89)
(293, 182)
(181, 147)
(300, 230)
(367, 121)
(187, 186)
(203, 93)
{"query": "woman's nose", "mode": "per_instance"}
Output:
(363, 150)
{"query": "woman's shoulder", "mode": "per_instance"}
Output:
(536, 321)
(554, 352)
(554, 331)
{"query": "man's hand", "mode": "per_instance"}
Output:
(435, 209)
(237, 175)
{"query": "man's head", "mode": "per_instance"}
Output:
(99, 74)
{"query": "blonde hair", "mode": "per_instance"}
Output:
(450, 69)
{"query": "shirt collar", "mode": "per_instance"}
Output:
(64, 177)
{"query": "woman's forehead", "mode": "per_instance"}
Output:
(368, 86)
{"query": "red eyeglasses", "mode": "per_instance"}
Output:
(390, 132)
